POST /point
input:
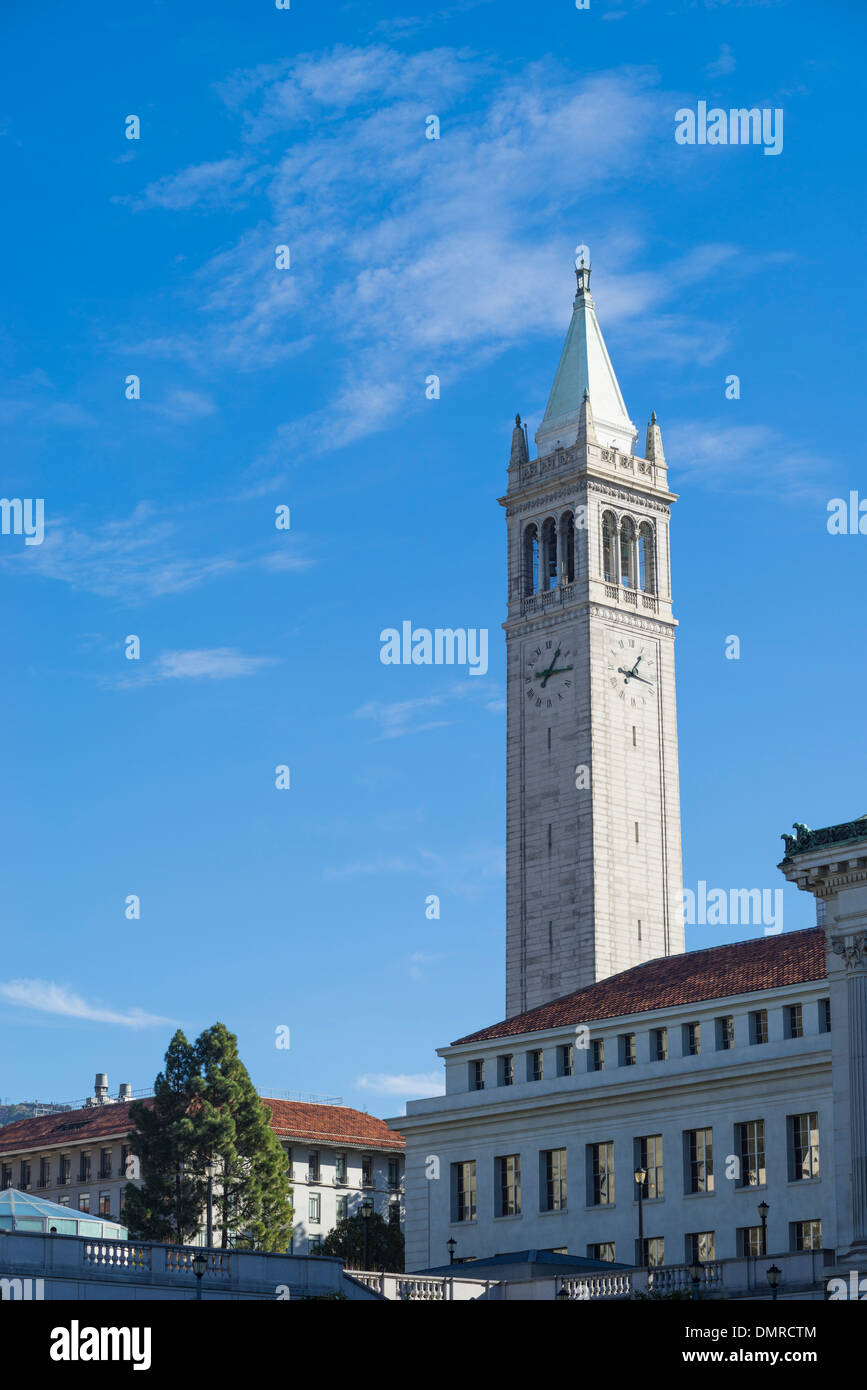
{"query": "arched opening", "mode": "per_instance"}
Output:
(567, 548)
(549, 553)
(627, 552)
(646, 559)
(531, 559)
(609, 547)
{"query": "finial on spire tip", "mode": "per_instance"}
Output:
(517, 419)
(653, 417)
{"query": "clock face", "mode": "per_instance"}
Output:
(631, 672)
(548, 675)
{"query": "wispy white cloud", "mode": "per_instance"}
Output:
(219, 183)
(745, 459)
(182, 406)
(209, 663)
(415, 256)
(46, 997)
(409, 1085)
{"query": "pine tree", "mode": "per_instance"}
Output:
(253, 1195)
(168, 1205)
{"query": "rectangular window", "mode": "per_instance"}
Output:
(648, 1155)
(314, 1203)
(6, 1178)
(65, 1177)
(650, 1253)
(725, 1033)
(824, 1015)
(603, 1251)
(84, 1168)
(45, 1172)
(659, 1045)
(749, 1240)
(367, 1171)
(803, 1146)
(477, 1075)
(314, 1244)
(105, 1163)
(750, 1141)
(806, 1235)
(24, 1176)
(700, 1247)
(566, 1056)
(313, 1167)
(627, 1049)
(340, 1168)
(597, 1054)
(63, 1200)
(794, 1016)
(394, 1213)
(759, 1026)
(535, 1065)
(600, 1169)
(84, 1201)
(691, 1039)
(699, 1160)
(508, 1185)
(464, 1191)
(552, 1184)
(105, 1204)
(506, 1070)
(394, 1172)
(342, 1208)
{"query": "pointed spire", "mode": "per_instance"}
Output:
(519, 444)
(585, 366)
(586, 426)
(653, 449)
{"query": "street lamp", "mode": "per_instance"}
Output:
(366, 1213)
(774, 1280)
(211, 1171)
(640, 1176)
(451, 1245)
(200, 1264)
(763, 1213)
(695, 1276)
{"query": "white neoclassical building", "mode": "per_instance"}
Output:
(637, 1105)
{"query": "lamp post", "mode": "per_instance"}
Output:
(640, 1176)
(763, 1213)
(366, 1213)
(200, 1264)
(695, 1277)
(774, 1280)
(211, 1170)
(451, 1244)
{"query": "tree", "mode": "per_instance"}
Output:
(205, 1108)
(384, 1244)
(253, 1193)
(168, 1205)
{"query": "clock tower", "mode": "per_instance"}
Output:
(593, 865)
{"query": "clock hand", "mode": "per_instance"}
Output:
(558, 670)
(546, 674)
(641, 678)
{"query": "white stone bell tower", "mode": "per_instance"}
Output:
(593, 873)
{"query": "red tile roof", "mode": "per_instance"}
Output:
(68, 1126)
(330, 1124)
(322, 1124)
(745, 967)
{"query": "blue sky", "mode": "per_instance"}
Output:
(260, 127)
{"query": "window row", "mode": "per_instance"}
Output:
(700, 1246)
(746, 1167)
(62, 1175)
(339, 1176)
(530, 1066)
